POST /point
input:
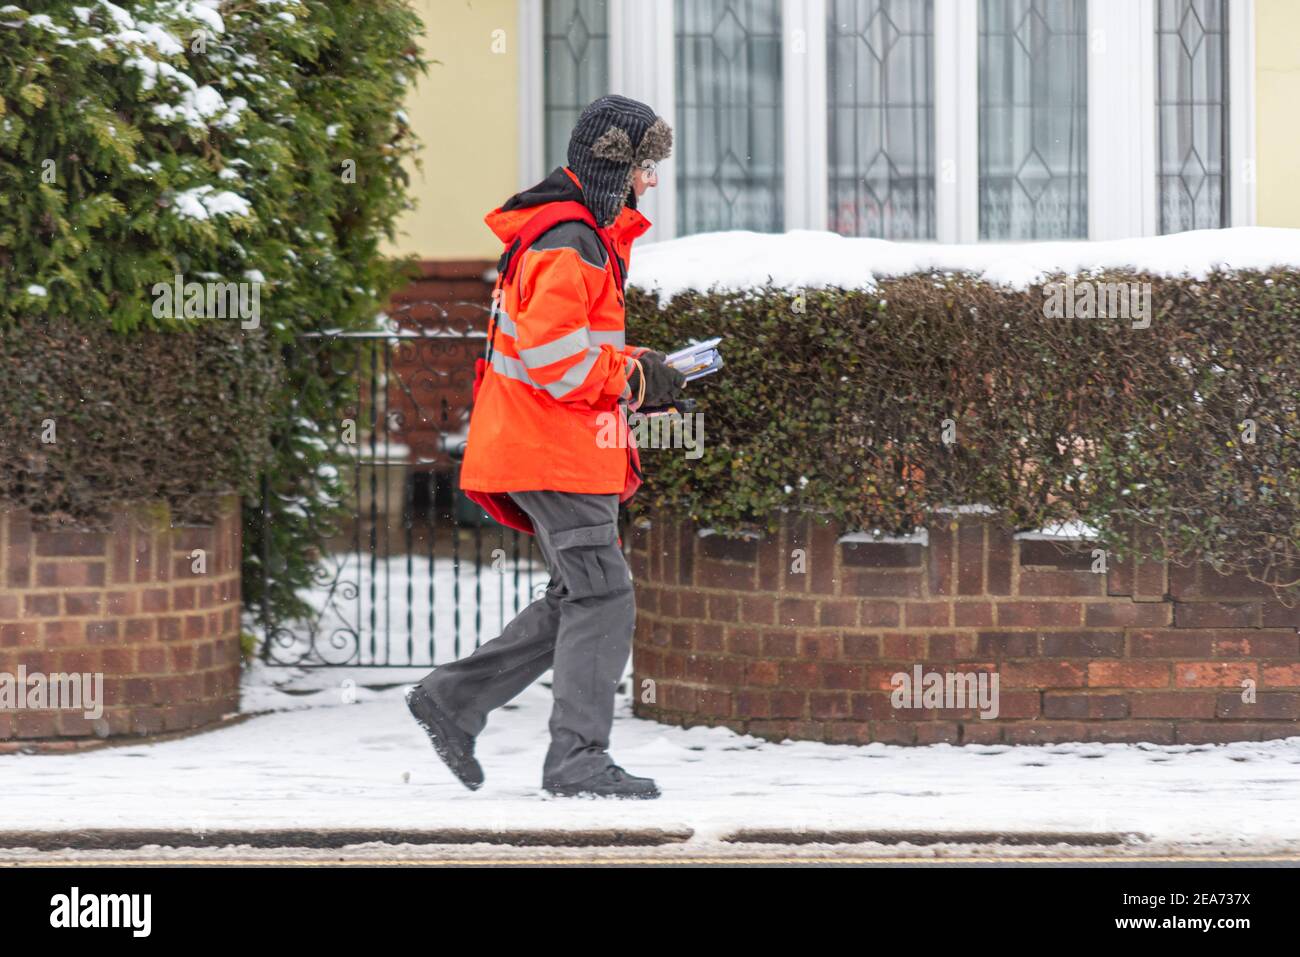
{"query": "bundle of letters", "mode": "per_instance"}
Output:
(697, 360)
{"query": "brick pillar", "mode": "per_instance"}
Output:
(151, 607)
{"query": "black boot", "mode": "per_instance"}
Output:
(454, 746)
(611, 782)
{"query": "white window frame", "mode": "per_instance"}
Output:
(642, 52)
(532, 93)
(806, 152)
(1241, 112)
(956, 121)
(1122, 196)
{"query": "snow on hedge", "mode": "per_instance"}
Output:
(201, 202)
(800, 259)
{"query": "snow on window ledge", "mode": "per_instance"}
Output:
(966, 510)
(1060, 532)
(920, 536)
(744, 536)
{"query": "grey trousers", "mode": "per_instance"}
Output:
(582, 627)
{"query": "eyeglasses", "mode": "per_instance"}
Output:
(649, 167)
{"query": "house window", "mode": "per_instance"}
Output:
(576, 69)
(729, 115)
(1033, 142)
(956, 120)
(880, 118)
(1191, 113)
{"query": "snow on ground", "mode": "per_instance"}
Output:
(336, 747)
(801, 258)
(341, 750)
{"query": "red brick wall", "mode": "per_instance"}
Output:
(730, 635)
(125, 603)
(436, 376)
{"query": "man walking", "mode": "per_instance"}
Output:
(538, 458)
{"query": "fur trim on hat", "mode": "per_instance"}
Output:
(614, 135)
(613, 145)
(657, 143)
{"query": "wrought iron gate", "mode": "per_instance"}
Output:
(417, 574)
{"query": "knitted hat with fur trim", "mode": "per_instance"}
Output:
(613, 136)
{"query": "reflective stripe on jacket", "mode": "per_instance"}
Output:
(547, 407)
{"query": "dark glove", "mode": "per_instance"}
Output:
(663, 383)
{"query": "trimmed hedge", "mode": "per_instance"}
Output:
(836, 401)
(90, 418)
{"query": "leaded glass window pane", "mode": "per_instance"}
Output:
(576, 55)
(1191, 110)
(728, 135)
(1033, 95)
(880, 92)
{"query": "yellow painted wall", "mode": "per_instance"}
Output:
(465, 112)
(1277, 120)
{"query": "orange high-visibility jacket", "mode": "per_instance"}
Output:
(547, 405)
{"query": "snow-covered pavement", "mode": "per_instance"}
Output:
(340, 750)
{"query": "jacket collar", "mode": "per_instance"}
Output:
(560, 185)
(630, 223)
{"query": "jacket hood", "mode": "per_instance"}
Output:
(560, 185)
